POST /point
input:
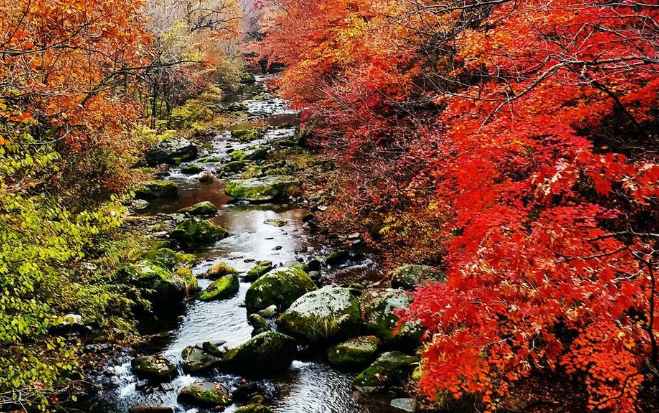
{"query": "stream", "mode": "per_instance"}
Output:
(310, 385)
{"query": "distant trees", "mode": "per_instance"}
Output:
(528, 131)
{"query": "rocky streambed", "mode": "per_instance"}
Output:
(256, 311)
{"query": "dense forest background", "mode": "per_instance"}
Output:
(511, 144)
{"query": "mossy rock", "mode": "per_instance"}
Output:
(408, 277)
(247, 78)
(155, 368)
(322, 315)
(186, 259)
(197, 360)
(205, 394)
(189, 279)
(256, 272)
(390, 369)
(234, 166)
(286, 143)
(254, 408)
(171, 151)
(237, 155)
(200, 208)
(194, 231)
(262, 356)
(222, 288)
(261, 189)
(381, 320)
(258, 324)
(164, 256)
(337, 257)
(220, 270)
(248, 135)
(258, 154)
(354, 353)
(191, 169)
(157, 190)
(281, 288)
(157, 283)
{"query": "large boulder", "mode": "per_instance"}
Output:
(200, 208)
(206, 394)
(280, 288)
(260, 269)
(264, 189)
(194, 231)
(171, 151)
(381, 319)
(390, 369)
(408, 277)
(156, 368)
(220, 270)
(263, 355)
(158, 284)
(156, 190)
(197, 359)
(322, 315)
(221, 288)
(354, 353)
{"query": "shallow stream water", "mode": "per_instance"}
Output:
(310, 385)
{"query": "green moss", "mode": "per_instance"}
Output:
(164, 256)
(235, 166)
(156, 368)
(186, 259)
(263, 355)
(260, 189)
(191, 169)
(188, 278)
(409, 277)
(237, 155)
(157, 190)
(220, 270)
(254, 408)
(248, 135)
(194, 231)
(261, 268)
(205, 394)
(224, 287)
(200, 208)
(354, 353)
(389, 369)
(280, 288)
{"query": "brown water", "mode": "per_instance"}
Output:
(309, 386)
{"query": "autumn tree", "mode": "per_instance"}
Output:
(529, 131)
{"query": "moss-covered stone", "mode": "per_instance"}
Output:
(258, 324)
(186, 259)
(263, 355)
(221, 288)
(220, 270)
(408, 277)
(354, 353)
(157, 190)
(200, 208)
(337, 257)
(390, 369)
(257, 154)
(254, 408)
(189, 279)
(205, 394)
(157, 283)
(256, 272)
(197, 360)
(281, 288)
(237, 155)
(381, 320)
(191, 169)
(248, 135)
(164, 256)
(261, 189)
(322, 315)
(156, 368)
(234, 166)
(171, 151)
(193, 231)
